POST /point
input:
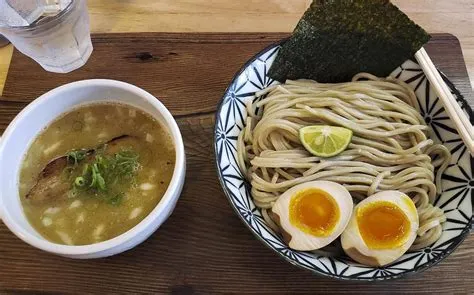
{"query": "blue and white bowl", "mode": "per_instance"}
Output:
(457, 181)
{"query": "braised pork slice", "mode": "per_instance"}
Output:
(52, 184)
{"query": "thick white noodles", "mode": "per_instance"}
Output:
(389, 149)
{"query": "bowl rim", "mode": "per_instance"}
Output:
(462, 236)
(162, 208)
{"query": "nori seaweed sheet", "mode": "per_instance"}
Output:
(336, 39)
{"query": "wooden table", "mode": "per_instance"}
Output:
(436, 16)
(203, 247)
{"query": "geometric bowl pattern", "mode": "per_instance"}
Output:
(457, 182)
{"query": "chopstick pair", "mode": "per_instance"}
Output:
(454, 111)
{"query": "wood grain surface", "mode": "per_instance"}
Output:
(437, 16)
(114, 16)
(204, 247)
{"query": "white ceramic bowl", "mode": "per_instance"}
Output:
(28, 123)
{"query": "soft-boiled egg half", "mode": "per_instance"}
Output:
(382, 228)
(313, 214)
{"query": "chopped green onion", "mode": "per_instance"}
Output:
(98, 181)
(106, 176)
(80, 182)
(74, 157)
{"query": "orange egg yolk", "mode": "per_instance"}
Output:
(314, 211)
(383, 225)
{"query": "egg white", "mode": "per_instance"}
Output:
(355, 246)
(300, 240)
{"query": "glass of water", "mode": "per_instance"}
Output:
(59, 43)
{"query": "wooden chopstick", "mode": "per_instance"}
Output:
(452, 100)
(454, 111)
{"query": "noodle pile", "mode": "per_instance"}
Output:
(389, 150)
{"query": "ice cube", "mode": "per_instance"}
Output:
(9, 17)
(53, 7)
(23, 12)
(15, 13)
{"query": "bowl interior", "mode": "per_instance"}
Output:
(456, 199)
(39, 114)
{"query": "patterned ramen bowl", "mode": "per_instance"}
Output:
(457, 181)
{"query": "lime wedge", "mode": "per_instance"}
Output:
(325, 141)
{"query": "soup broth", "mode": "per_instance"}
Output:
(95, 172)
